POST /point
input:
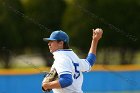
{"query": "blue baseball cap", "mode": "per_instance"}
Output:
(58, 35)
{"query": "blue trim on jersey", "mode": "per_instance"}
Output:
(65, 72)
(65, 50)
(65, 80)
(91, 58)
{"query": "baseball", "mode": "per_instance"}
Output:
(99, 31)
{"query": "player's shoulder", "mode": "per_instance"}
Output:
(63, 53)
(60, 56)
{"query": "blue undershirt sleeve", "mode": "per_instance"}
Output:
(65, 80)
(91, 58)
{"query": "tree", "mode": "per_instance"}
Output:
(10, 28)
(117, 18)
(42, 17)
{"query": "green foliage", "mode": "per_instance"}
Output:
(43, 16)
(119, 20)
(23, 23)
(26, 25)
(10, 24)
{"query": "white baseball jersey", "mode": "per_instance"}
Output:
(67, 62)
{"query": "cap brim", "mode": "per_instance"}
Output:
(48, 39)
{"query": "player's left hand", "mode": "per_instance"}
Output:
(45, 87)
(97, 34)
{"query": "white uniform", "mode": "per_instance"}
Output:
(67, 62)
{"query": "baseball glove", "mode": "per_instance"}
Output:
(51, 76)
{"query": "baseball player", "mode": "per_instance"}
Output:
(67, 64)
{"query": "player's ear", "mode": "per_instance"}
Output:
(61, 43)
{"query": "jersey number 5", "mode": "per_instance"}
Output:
(77, 72)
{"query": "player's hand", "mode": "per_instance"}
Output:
(45, 86)
(97, 34)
